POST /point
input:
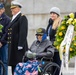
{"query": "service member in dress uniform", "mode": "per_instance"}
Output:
(4, 22)
(17, 35)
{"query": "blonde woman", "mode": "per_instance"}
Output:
(53, 24)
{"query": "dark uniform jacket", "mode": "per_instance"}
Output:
(17, 36)
(43, 49)
(4, 21)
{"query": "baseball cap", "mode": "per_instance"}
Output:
(40, 31)
(1, 5)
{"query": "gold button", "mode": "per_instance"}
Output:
(10, 28)
(10, 42)
(8, 33)
(7, 42)
(8, 37)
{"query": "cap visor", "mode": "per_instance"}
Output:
(13, 7)
(39, 34)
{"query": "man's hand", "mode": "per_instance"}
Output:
(1, 45)
(29, 54)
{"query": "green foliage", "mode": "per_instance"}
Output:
(62, 31)
(1, 26)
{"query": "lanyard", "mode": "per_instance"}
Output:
(49, 29)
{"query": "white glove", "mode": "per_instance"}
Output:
(19, 47)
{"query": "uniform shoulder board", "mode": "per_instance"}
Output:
(22, 15)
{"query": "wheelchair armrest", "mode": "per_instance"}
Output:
(46, 58)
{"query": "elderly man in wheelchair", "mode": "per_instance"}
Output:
(39, 57)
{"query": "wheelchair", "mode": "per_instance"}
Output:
(47, 69)
(2, 67)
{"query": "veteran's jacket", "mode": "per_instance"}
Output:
(43, 48)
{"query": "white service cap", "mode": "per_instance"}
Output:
(15, 4)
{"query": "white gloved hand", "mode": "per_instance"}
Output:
(19, 47)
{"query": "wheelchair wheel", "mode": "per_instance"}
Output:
(2, 67)
(48, 69)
